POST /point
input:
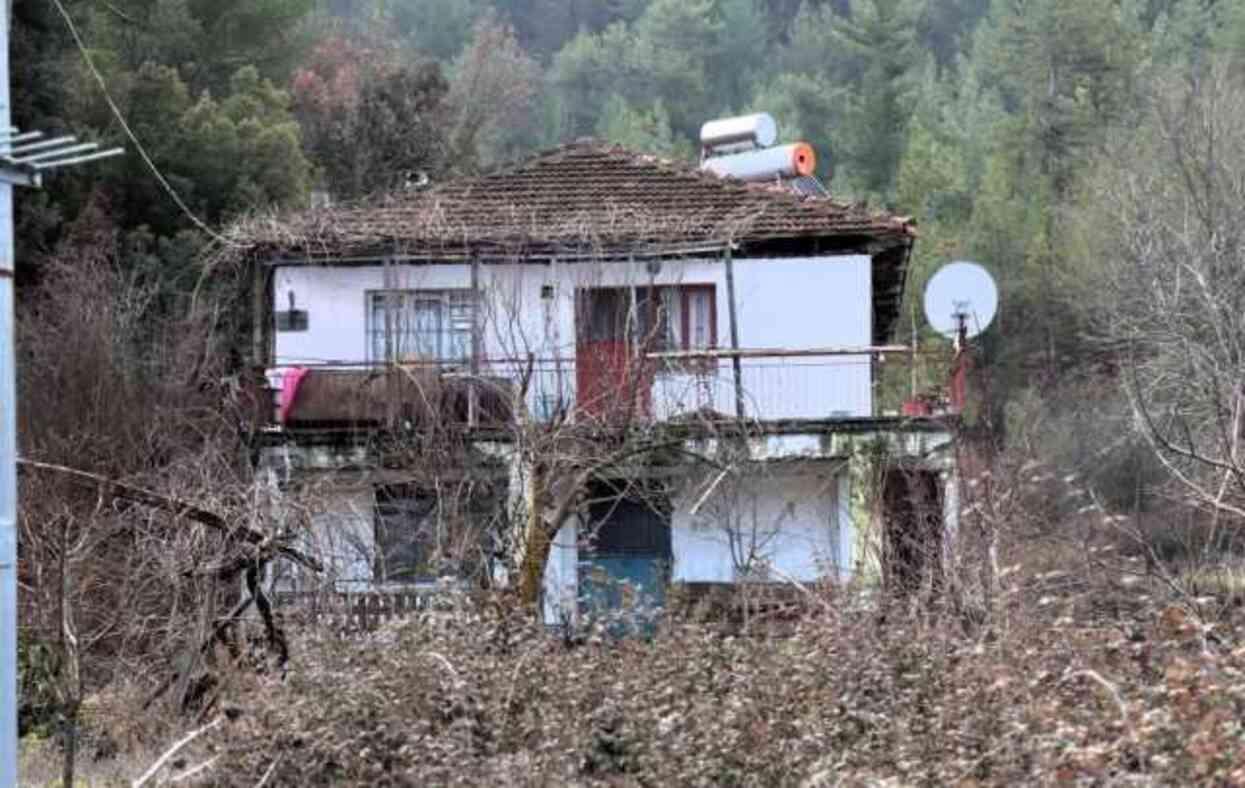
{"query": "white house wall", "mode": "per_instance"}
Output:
(804, 303)
(789, 303)
(793, 521)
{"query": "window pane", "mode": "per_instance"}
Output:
(700, 318)
(606, 314)
(377, 325)
(672, 319)
(420, 325)
(458, 344)
(653, 316)
(427, 320)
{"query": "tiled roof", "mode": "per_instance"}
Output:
(582, 196)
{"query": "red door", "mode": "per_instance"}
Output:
(613, 382)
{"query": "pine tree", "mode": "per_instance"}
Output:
(880, 37)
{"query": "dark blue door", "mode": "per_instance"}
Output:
(625, 565)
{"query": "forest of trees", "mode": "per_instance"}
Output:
(988, 120)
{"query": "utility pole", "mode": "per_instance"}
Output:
(23, 159)
(8, 449)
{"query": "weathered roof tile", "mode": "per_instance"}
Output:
(586, 195)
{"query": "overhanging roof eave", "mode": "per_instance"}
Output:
(542, 251)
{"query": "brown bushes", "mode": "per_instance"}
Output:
(476, 697)
(120, 588)
(1082, 664)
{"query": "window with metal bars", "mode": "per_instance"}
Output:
(420, 325)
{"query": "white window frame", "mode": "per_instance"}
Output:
(454, 334)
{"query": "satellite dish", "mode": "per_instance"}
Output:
(961, 295)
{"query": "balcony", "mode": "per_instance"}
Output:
(613, 387)
(659, 389)
(414, 396)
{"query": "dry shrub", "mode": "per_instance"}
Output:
(857, 693)
(115, 383)
(1083, 664)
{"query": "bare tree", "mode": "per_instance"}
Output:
(138, 522)
(1164, 239)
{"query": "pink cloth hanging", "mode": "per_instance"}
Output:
(290, 382)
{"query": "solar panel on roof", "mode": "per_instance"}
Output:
(808, 186)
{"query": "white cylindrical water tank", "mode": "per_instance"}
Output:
(759, 129)
(786, 161)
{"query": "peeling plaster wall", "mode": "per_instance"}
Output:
(814, 497)
(867, 465)
(561, 583)
(802, 531)
(864, 457)
(864, 483)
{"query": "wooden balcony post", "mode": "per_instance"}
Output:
(734, 312)
(473, 384)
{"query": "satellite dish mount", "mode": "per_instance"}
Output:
(960, 316)
(961, 301)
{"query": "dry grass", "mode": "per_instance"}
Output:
(853, 694)
(1078, 675)
(39, 766)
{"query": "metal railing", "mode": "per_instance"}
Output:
(357, 611)
(809, 384)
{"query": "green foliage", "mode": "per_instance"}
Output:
(370, 118)
(223, 156)
(676, 42)
(493, 97)
(806, 107)
(810, 48)
(1066, 68)
(436, 28)
(639, 129)
(38, 671)
(589, 70)
(544, 26)
(1186, 30)
(196, 81)
(206, 40)
(880, 38)
(946, 28)
(742, 47)
(252, 127)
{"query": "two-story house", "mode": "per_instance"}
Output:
(687, 363)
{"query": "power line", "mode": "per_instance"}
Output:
(142, 151)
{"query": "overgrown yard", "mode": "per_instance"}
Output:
(847, 694)
(1108, 686)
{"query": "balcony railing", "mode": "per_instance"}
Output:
(772, 386)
